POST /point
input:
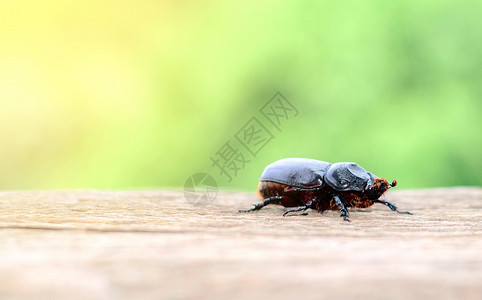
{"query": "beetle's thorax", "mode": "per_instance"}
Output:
(377, 189)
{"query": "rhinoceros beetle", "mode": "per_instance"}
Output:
(308, 183)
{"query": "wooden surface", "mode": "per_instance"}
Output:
(156, 245)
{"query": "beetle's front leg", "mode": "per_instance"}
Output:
(343, 210)
(392, 206)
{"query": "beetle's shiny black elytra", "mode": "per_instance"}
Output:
(308, 183)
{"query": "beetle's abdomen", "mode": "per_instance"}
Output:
(268, 189)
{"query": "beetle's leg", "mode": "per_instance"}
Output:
(258, 206)
(303, 208)
(392, 206)
(343, 210)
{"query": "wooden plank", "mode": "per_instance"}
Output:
(155, 245)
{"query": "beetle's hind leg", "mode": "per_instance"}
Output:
(392, 206)
(267, 201)
(344, 212)
(309, 204)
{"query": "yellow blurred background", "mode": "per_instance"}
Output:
(125, 94)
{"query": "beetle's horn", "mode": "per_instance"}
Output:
(394, 183)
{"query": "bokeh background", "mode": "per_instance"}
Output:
(129, 94)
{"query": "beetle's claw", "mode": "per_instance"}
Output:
(288, 211)
(345, 216)
(250, 209)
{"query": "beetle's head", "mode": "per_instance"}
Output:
(379, 186)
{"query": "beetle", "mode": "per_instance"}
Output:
(319, 185)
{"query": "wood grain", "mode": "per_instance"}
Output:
(156, 245)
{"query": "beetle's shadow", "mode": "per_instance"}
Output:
(361, 210)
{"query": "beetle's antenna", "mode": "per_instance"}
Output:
(394, 183)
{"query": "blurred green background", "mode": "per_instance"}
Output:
(128, 94)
